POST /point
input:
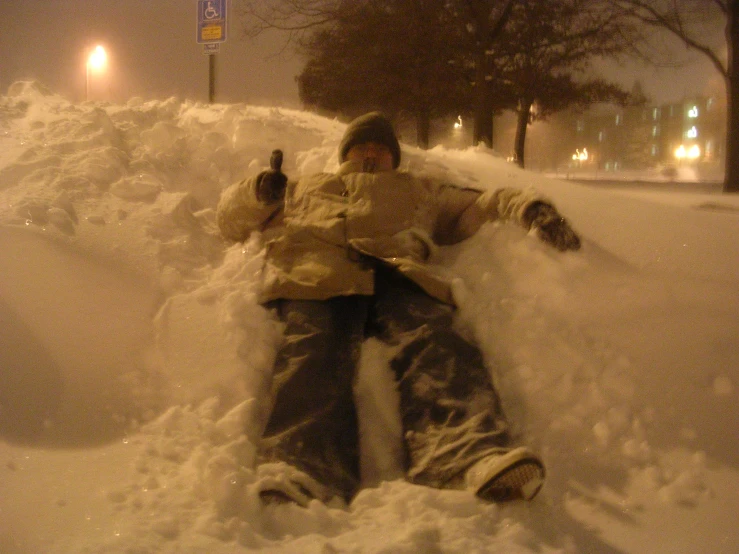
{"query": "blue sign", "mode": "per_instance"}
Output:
(211, 21)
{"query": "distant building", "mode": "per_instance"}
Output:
(636, 137)
(613, 138)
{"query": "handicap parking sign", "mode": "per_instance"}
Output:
(211, 21)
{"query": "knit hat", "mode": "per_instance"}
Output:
(370, 127)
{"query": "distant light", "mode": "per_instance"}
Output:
(98, 59)
(580, 156)
(458, 123)
(96, 62)
(693, 153)
(693, 112)
(692, 133)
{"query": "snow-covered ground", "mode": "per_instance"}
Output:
(134, 355)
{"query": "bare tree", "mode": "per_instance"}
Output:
(295, 17)
(546, 49)
(483, 22)
(427, 57)
(686, 20)
(394, 56)
(480, 21)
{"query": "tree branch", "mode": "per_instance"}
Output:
(672, 20)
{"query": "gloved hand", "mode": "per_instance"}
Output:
(551, 227)
(271, 183)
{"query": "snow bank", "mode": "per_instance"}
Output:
(135, 358)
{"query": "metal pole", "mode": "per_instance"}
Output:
(211, 78)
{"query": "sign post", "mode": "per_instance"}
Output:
(211, 32)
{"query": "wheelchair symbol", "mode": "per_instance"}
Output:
(210, 12)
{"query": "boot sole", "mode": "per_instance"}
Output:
(521, 479)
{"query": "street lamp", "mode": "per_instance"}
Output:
(95, 62)
(692, 153)
(581, 156)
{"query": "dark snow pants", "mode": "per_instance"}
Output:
(450, 412)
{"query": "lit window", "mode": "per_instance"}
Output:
(693, 112)
(618, 119)
(655, 131)
(600, 136)
(654, 150)
(655, 113)
(692, 132)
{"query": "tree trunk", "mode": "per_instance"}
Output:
(731, 176)
(487, 32)
(522, 124)
(423, 129)
(482, 129)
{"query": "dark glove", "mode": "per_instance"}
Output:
(271, 183)
(551, 227)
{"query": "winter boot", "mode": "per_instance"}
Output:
(518, 473)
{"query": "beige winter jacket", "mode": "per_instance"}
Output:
(321, 240)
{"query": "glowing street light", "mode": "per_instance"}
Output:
(580, 156)
(95, 62)
(692, 153)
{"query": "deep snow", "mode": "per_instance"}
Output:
(134, 355)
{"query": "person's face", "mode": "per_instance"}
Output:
(372, 156)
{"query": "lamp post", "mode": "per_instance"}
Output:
(95, 62)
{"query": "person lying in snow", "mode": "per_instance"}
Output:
(346, 259)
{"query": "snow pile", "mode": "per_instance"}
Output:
(135, 358)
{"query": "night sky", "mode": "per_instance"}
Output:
(153, 53)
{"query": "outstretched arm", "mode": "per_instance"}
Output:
(254, 203)
(525, 207)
